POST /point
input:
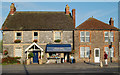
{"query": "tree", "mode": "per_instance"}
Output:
(1, 49)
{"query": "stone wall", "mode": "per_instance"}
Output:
(97, 41)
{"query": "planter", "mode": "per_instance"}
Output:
(28, 61)
(40, 61)
(57, 41)
(17, 41)
(35, 40)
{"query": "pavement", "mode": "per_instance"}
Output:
(60, 68)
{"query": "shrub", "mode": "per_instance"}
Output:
(30, 55)
(17, 57)
(5, 52)
(10, 60)
(17, 41)
(35, 40)
(58, 40)
(42, 56)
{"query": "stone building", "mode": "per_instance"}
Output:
(92, 38)
(48, 35)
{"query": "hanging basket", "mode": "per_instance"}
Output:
(5, 52)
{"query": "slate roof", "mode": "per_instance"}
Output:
(36, 20)
(94, 24)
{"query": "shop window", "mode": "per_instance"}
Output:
(84, 36)
(84, 52)
(54, 54)
(108, 36)
(18, 52)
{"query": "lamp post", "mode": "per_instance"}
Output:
(110, 46)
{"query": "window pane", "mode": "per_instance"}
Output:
(111, 34)
(35, 37)
(82, 34)
(35, 33)
(111, 39)
(107, 50)
(82, 39)
(88, 34)
(87, 39)
(18, 34)
(57, 35)
(106, 34)
(112, 52)
(82, 51)
(87, 50)
(97, 53)
(106, 39)
(18, 52)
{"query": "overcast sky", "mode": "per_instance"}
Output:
(99, 10)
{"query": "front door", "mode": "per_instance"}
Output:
(97, 55)
(35, 57)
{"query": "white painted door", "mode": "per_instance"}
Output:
(97, 55)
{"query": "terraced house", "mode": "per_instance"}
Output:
(93, 37)
(48, 35)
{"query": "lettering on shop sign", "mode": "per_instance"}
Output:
(68, 49)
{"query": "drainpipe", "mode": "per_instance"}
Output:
(110, 45)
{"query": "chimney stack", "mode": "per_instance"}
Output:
(73, 16)
(12, 9)
(67, 10)
(111, 22)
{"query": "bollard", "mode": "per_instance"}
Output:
(101, 65)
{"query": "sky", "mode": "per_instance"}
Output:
(99, 10)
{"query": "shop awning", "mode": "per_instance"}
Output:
(58, 48)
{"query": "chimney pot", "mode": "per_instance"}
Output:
(12, 9)
(67, 10)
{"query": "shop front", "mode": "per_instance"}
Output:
(58, 53)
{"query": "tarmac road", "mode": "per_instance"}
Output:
(59, 68)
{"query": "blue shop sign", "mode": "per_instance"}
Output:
(58, 48)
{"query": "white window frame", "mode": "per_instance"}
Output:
(18, 50)
(109, 36)
(84, 52)
(111, 49)
(55, 35)
(85, 36)
(35, 36)
(18, 36)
